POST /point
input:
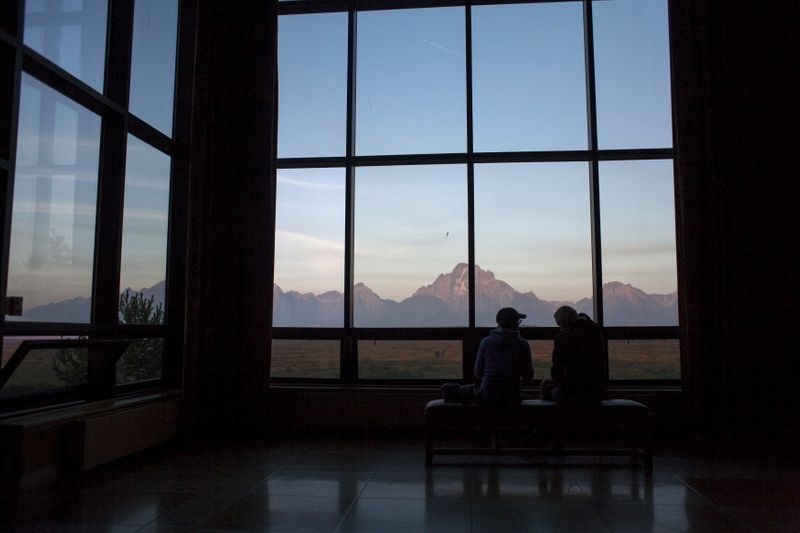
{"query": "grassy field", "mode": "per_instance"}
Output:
(640, 359)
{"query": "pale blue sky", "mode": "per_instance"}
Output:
(529, 94)
(532, 220)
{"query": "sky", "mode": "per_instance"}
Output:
(531, 220)
(532, 223)
(55, 197)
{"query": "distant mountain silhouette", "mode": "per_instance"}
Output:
(79, 309)
(445, 303)
(72, 310)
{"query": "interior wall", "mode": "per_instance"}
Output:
(734, 86)
(735, 93)
(231, 217)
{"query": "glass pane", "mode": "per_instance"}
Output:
(309, 248)
(312, 77)
(141, 361)
(10, 345)
(144, 234)
(305, 359)
(542, 358)
(411, 246)
(55, 198)
(633, 75)
(409, 360)
(155, 34)
(637, 209)
(529, 77)
(48, 369)
(532, 240)
(411, 86)
(71, 34)
(644, 359)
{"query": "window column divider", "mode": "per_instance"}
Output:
(348, 355)
(111, 182)
(594, 181)
(7, 187)
(467, 356)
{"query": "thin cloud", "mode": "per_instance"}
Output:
(309, 184)
(307, 240)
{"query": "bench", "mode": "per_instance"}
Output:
(536, 420)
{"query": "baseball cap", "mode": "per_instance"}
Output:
(508, 314)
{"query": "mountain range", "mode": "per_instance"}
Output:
(443, 303)
(79, 309)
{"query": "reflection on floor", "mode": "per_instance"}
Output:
(381, 485)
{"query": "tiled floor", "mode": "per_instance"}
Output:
(380, 485)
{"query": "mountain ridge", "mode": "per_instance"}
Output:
(442, 303)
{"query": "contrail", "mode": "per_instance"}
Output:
(449, 51)
(440, 47)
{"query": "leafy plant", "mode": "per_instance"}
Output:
(142, 360)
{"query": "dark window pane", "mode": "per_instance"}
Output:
(411, 95)
(48, 369)
(529, 77)
(141, 361)
(71, 34)
(309, 248)
(312, 76)
(637, 211)
(10, 345)
(632, 68)
(55, 196)
(155, 34)
(305, 359)
(532, 240)
(409, 359)
(644, 359)
(542, 358)
(411, 246)
(144, 233)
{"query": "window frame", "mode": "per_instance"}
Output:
(117, 122)
(349, 335)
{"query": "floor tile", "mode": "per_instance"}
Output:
(737, 491)
(534, 483)
(620, 485)
(296, 514)
(667, 519)
(441, 515)
(766, 518)
(521, 514)
(301, 482)
(431, 484)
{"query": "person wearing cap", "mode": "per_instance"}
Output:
(504, 361)
(578, 371)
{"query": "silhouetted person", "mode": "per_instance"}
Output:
(578, 372)
(504, 360)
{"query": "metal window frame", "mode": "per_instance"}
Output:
(117, 123)
(470, 335)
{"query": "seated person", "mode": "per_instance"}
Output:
(578, 372)
(504, 360)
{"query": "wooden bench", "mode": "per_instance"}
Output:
(535, 421)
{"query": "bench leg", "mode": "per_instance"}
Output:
(428, 448)
(648, 443)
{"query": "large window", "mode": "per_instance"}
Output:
(438, 163)
(86, 164)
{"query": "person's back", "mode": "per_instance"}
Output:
(579, 360)
(503, 361)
